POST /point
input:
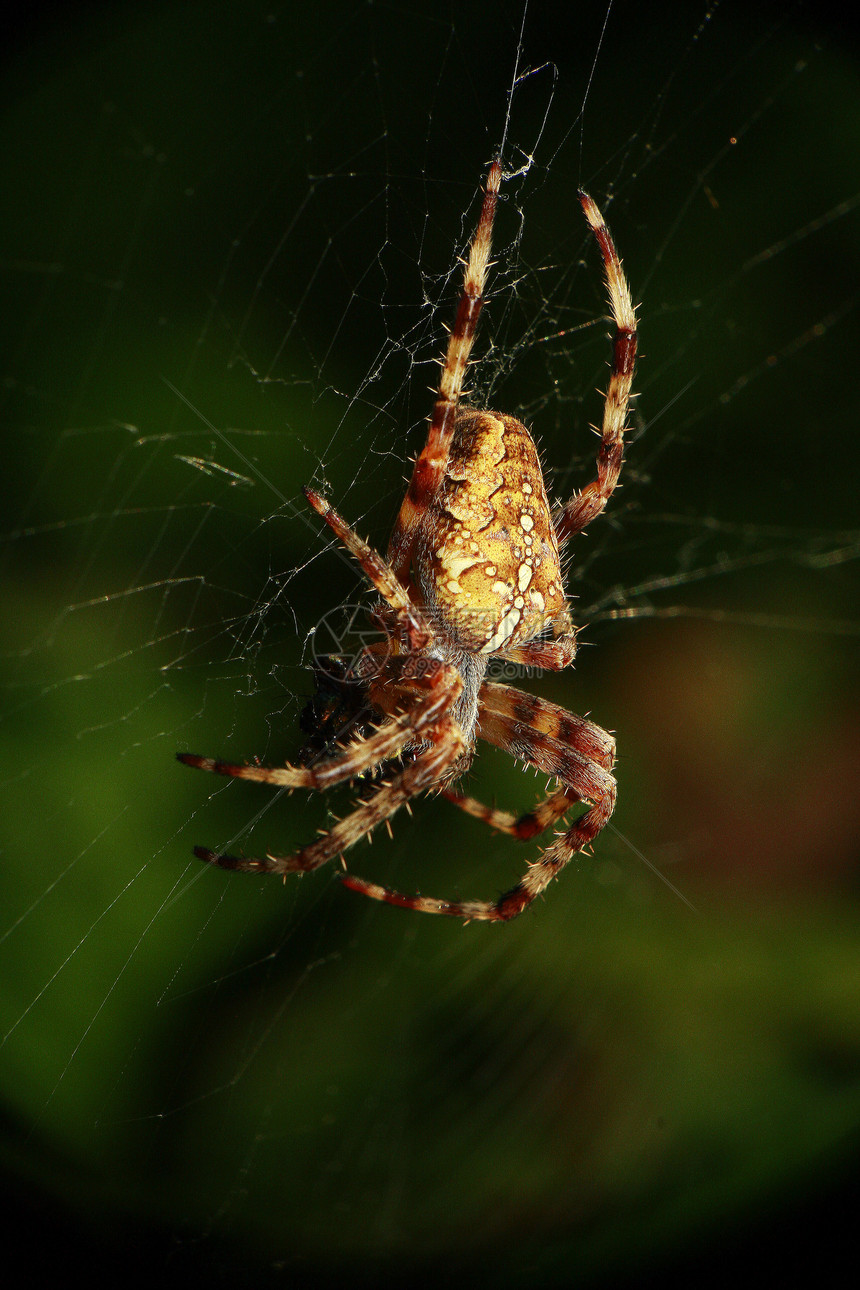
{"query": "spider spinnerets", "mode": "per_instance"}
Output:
(472, 572)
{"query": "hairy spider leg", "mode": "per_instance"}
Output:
(553, 654)
(522, 827)
(539, 719)
(359, 755)
(392, 737)
(427, 768)
(557, 742)
(543, 717)
(377, 570)
(431, 462)
(581, 510)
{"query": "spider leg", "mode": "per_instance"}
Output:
(538, 714)
(430, 464)
(551, 862)
(419, 775)
(575, 751)
(581, 510)
(553, 654)
(533, 724)
(377, 570)
(360, 755)
(522, 827)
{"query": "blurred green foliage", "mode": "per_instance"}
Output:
(251, 205)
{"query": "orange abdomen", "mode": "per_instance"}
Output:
(487, 555)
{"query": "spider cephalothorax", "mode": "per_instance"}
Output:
(472, 573)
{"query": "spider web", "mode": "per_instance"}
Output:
(229, 259)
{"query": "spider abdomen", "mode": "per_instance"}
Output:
(487, 554)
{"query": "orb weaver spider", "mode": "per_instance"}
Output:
(472, 573)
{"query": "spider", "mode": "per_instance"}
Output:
(472, 573)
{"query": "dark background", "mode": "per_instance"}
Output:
(204, 1076)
